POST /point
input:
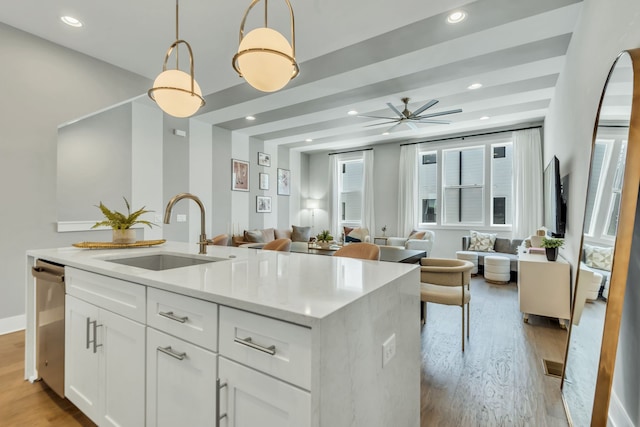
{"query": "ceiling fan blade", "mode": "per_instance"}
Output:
(381, 123)
(411, 125)
(393, 127)
(377, 117)
(395, 110)
(435, 122)
(424, 107)
(441, 113)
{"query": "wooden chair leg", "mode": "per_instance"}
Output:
(468, 317)
(462, 328)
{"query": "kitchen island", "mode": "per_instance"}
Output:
(256, 336)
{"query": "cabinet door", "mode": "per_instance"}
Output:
(122, 371)
(181, 382)
(251, 398)
(81, 382)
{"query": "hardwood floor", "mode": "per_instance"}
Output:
(24, 404)
(498, 381)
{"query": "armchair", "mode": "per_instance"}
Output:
(416, 240)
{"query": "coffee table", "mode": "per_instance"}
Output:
(388, 254)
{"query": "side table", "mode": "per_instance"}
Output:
(382, 239)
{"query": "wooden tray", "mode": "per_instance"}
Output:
(111, 245)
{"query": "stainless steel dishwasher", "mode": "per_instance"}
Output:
(50, 315)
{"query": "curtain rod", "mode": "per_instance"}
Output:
(351, 151)
(473, 135)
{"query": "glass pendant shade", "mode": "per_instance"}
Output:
(265, 60)
(172, 92)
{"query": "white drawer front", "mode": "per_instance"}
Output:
(250, 338)
(189, 318)
(119, 296)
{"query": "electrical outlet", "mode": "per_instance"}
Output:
(388, 349)
(181, 218)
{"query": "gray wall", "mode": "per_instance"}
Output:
(604, 29)
(43, 85)
(175, 176)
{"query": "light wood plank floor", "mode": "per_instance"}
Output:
(498, 381)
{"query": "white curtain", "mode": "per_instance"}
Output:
(408, 189)
(527, 183)
(368, 208)
(334, 212)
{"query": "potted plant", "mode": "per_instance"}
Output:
(551, 245)
(121, 223)
(324, 238)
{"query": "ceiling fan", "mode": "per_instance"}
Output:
(410, 118)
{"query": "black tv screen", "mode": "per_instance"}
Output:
(554, 206)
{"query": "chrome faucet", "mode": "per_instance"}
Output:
(203, 234)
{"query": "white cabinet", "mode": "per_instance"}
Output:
(264, 371)
(249, 398)
(104, 364)
(105, 351)
(544, 287)
(181, 382)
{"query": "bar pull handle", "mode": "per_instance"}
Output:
(94, 341)
(219, 387)
(249, 343)
(43, 274)
(168, 351)
(170, 315)
(88, 335)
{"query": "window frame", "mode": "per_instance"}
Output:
(342, 161)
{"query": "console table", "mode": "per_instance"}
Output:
(544, 287)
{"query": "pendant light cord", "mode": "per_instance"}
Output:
(265, 13)
(177, 37)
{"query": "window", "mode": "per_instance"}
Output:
(350, 191)
(452, 183)
(463, 186)
(501, 184)
(428, 186)
(601, 152)
(616, 192)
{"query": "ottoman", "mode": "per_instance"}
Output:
(472, 257)
(497, 269)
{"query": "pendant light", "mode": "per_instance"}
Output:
(176, 92)
(265, 58)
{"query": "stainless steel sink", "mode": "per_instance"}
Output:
(159, 262)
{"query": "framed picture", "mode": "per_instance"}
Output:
(264, 181)
(284, 182)
(239, 175)
(264, 159)
(263, 204)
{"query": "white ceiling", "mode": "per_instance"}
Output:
(353, 55)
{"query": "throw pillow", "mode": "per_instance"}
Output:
(282, 234)
(482, 242)
(597, 257)
(356, 235)
(254, 236)
(269, 235)
(418, 235)
(300, 234)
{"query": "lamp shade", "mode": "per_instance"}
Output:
(265, 59)
(313, 204)
(172, 92)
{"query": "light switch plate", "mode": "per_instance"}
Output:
(388, 349)
(181, 218)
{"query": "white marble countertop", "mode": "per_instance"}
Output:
(299, 288)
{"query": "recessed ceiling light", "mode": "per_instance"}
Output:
(71, 21)
(309, 140)
(352, 112)
(474, 86)
(250, 118)
(385, 133)
(456, 17)
(485, 118)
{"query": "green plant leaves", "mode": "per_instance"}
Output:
(120, 221)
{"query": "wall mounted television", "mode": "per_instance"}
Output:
(555, 208)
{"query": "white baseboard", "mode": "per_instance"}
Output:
(12, 324)
(618, 416)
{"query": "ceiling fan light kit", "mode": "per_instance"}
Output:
(265, 58)
(176, 92)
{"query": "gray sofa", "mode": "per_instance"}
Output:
(503, 247)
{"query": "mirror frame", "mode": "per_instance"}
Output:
(621, 255)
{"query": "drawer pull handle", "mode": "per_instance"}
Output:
(170, 315)
(170, 352)
(249, 343)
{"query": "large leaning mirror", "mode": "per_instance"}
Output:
(605, 250)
